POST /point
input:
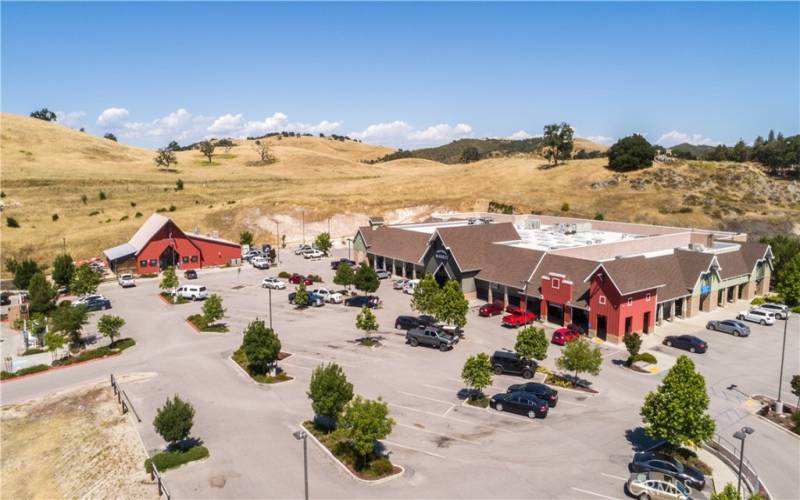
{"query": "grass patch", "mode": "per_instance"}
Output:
(4, 375)
(369, 341)
(204, 163)
(175, 458)
(645, 357)
(35, 350)
(559, 381)
(240, 358)
(101, 352)
(171, 300)
(376, 467)
(478, 400)
(201, 323)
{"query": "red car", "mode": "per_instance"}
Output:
(296, 279)
(511, 308)
(564, 335)
(492, 309)
(519, 318)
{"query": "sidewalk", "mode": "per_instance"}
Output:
(722, 474)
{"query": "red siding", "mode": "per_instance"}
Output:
(616, 307)
(561, 295)
(194, 252)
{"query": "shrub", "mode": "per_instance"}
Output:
(380, 467)
(796, 421)
(172, 208)
(11, 222)
(261, 346)
(329, 391)
(599, 216)
(315, 278)
(284, 274)
(133, 204)
(25, 371)
(179, 185)
(630, 153)
(175, 458)
(174, 420)
(565, 207)
(199, 321)
(138, 214)
(102, 195)
(796, 309)
(84, 199)
(54, 217)
(645, 357)
(93, 213)
(758, 301)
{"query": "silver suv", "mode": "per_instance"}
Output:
(781, 311)
(758, 316)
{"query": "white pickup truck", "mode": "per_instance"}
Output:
(126, 280)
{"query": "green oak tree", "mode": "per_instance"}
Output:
(531, 343)
(329, 392)
(366, 321)
(41, 294)
(63, 269)
(366, 279)
(165, 158)
(677, 411)
(207, 149)
(580, 357)
(323, 242)
(85, 281)
(788, 284)
(426, 295)
(174, 420)
(344, 275)
(69, 320)
(212, 309)
(246, 238)
(630, 153)
(169, 282)
(477, 374)
(301, 296)
(363, 422)
(261, 345)
(451, 305)
(110, 325)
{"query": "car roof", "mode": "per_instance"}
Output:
(691, 337)
(505, 354)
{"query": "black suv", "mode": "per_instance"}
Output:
(541, 391)
(97, 304)
(404, 322)
(370, 301)
(510, 362)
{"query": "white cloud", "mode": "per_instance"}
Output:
(112, 117)
(520, 135)
(400, 133)
(675, 137)
(226, 123)
(69, 118)
(601, 139)
(178, 125)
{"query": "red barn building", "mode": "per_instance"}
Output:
(160, 243)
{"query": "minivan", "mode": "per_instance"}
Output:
(192, 292)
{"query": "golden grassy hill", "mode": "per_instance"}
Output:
(46, 169)
(581, 143)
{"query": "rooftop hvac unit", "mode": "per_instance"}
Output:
(533, 224)
(697, 247)
(486, 220)
(471, 220)
(564, 228)
(582, 227)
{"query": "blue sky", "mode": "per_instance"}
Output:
(407, 74)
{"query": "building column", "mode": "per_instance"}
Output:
(505, 295)
(672, 309)
(490, 295)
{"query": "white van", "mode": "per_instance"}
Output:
(410, 286)
(192, 292)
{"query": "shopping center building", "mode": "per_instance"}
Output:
(608, 277)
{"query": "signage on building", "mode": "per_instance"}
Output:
(441, 255)
(705, 289)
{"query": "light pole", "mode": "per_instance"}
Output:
(778, 402)
(741, 435)
(302, 435)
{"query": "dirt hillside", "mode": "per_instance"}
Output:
(47, 170)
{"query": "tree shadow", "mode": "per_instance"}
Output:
(185, 445)
(639, 440)
(466, 393)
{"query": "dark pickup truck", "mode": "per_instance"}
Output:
(432, 337)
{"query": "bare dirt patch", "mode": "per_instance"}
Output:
(70, 445)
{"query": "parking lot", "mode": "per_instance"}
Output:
(581, 450)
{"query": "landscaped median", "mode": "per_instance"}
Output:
(175, 458)
(82, 357)
(173, 299)
(259, 353)
(207, 320)
(174, 423)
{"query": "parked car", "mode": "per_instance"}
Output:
(383, 274)
(687, 343)
(564, 335)
(781, 311)
(657, 462)
(656, 486)
(300, 249)
(732, 326)
(296, 279)
(5, 299)
(523, 403)
(432, 337)
(758, 316)
(96, 304)
(399, 284)
(370, 301)
(192, 292)
(512, 309)
(190, 274)
(86, 298)
(541, 391)
(313, 254)
(252, 254)
(491, 309)
(336, 263)
(510, 362)
(410, 286)
(576, 328)
(330, 296)
(274, 283)
(126, 280)
(314, 300)
(260, 262)
(405, 322)
(519, 318)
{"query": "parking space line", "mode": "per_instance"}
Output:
(593, 493)
(499, 414)
(612, 476)
(292, 365)
(417, 410)
(449, 403)
(451, 391)
(314, 358)
(426, 431)
(392, 443)
(571, 403)
(447, 417)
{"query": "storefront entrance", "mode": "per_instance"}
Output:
(580, 318)
(555, 314)
(169, 257)
(602, 327)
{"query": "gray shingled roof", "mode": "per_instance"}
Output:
(573, 268)
(633, 274)
(509, 265)
(470, 244)
(395, 243)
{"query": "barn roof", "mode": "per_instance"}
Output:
(120, 252)
(146, 232)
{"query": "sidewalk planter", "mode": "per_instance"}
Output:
(240, 359)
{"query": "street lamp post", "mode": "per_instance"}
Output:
(778, 402)
(741, 435)
(302, 435)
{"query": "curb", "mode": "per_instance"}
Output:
(347, 469)
(256, 382)
(57, 368)
(770, 422)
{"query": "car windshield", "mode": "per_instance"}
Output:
(202, 289)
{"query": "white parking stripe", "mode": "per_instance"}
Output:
(500, 414)
(447, 417)
(426, 431)
(449, 403)
(560, 401)
(314, 358)
(451, 391)
(612, 476)
(292, 365)
(593, 493)
(392, 443)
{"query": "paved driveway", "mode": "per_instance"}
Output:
(580, 451)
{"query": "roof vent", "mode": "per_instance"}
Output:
(533, 224)
(696, 247)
